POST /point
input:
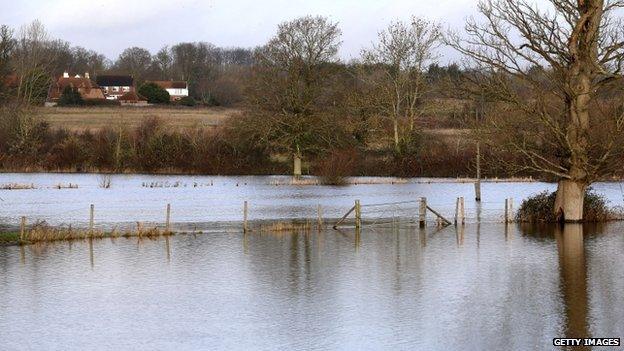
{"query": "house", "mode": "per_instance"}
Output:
(132, 98)
(87, 88)
(115, 86)
(176, 89)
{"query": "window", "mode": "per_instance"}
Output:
(115, 89)
(125, 88)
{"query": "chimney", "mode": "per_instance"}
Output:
(87, 75)
(65, 75)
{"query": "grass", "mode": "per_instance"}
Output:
(9, 238)
(93, 118)
(41, 232)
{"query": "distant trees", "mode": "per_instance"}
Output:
(134, 61)
(396, 66)
(154, 93)
(7, 44)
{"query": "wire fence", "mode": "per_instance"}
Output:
(370, 215)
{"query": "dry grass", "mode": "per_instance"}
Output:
(42, 232)
(287, 227)
(93, 118)
(16, 186)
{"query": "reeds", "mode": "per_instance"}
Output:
(105, 181)
(286, 226)
(42, 232)
(66, 186)
(17, 186)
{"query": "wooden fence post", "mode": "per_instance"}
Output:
(245, 228)
(457, 212)
(358, 214)
(422, 212)
(91, 217)
(22, 228)
(319, 215)
(462, 211)
(168, 220)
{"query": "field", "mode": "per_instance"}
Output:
(94, 118)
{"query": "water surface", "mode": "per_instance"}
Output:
(482, 287)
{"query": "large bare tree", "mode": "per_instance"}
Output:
(398, 61)
(287, 88)
(547, 66)
(32, 62)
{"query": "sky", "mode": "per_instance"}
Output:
(110, 26)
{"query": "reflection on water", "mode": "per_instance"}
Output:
(573, 279)
(484, 286)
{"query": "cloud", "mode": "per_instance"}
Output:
(110, 26)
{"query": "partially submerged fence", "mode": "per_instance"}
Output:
(417, 212)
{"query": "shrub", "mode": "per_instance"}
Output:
(337, 166)
(187, 101)
(70, 97)
(154, 93)
(540, 208)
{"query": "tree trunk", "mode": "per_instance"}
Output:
(396, 134)
(297, 166)
(569, 200)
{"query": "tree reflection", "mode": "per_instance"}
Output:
(573, 272)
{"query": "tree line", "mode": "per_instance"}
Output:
(542, 90)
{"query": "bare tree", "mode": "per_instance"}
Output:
(134, 61)
(164, 62)
(399, 61)
(547, 68)
(32, 62)
(290, 72)
(7, 44)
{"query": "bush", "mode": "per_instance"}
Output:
(70, 97)
(337, 166)
(187, 101)
(540, 208)
(154, 93)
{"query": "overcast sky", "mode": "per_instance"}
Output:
(110, 26)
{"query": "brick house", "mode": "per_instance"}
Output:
(87, 88)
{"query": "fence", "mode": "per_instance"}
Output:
(415, 212)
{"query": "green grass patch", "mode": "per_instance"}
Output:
(9, 238)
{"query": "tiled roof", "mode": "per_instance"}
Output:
(131, 96)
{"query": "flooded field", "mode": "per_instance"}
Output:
(202, 202)
(482, 287)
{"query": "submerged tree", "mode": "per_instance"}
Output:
(547, 70)
(287, 89)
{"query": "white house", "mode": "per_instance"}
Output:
(176, 89)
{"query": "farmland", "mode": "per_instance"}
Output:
(93, 118)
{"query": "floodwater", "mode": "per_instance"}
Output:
(482, 287)
(195, 203)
